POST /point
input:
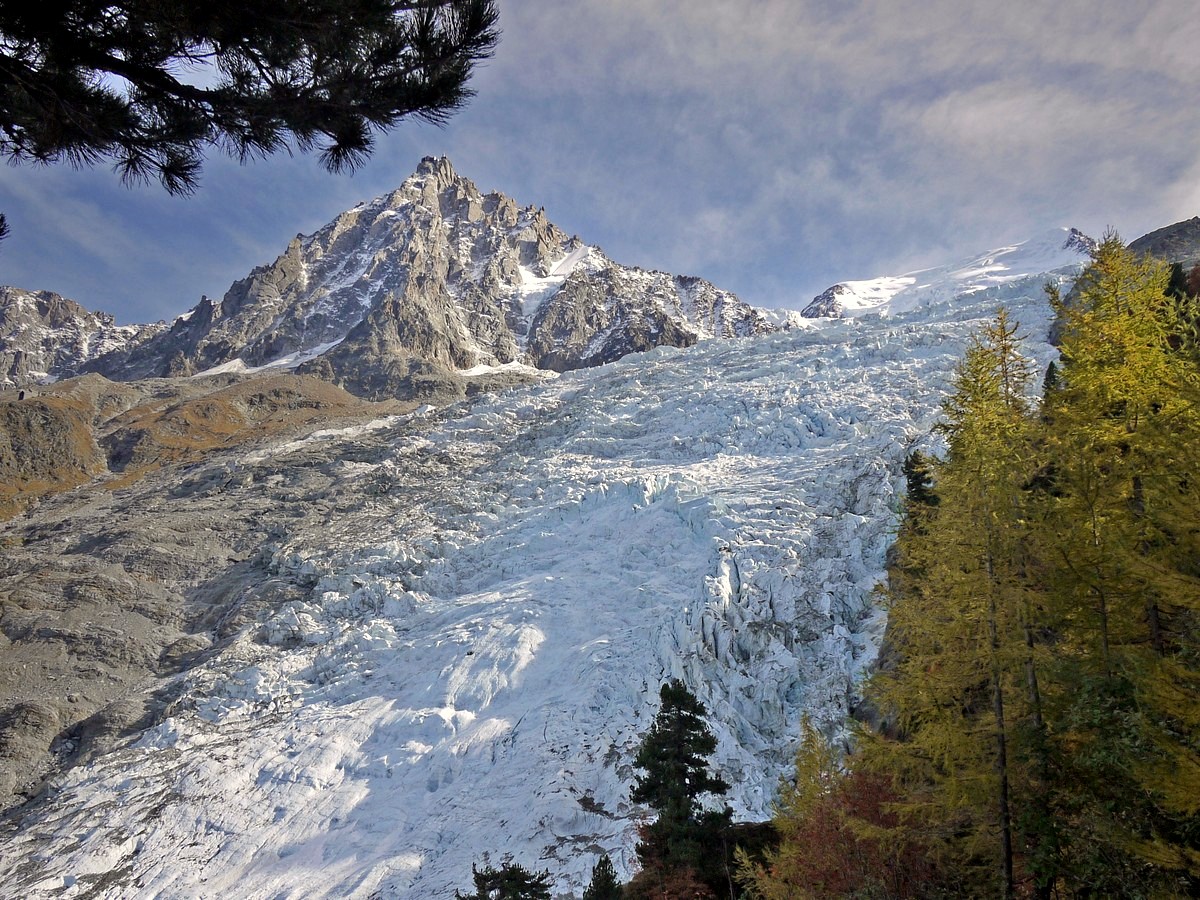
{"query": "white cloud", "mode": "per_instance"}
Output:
(775, 146)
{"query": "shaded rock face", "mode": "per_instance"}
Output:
(44, 335)
(1178, 243)
(826, 305)
(396, 295)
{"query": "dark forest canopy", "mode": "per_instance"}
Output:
(149, 84)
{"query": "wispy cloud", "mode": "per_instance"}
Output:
(773, 146)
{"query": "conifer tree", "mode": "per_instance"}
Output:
(965, 690)
(604, 884)
(152, 84)
(838, 835)
(673, 757)
(510, 882)
(1122, 543)
(1193, 281)
(918, 477)
(1046, 613)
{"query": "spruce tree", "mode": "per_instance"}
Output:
(918, 477)
(673, 757)
(604, 884)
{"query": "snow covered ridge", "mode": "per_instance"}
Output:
(474, 633)
(1058, 251)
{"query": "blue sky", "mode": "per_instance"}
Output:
(774, 147)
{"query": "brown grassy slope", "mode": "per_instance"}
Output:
(46, 445)
(67, 434)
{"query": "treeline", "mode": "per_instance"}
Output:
(1040, 710)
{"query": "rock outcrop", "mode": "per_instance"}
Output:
(1178, 243)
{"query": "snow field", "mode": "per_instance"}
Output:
(998, 273)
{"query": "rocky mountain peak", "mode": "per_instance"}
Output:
(437, 167)
(401, 294)
(1079, 242)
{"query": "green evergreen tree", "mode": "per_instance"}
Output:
(83, 82)
(510, 882)
(673, 756)
(1176, 281)
(604, 884)
(918, 477)
(1050, 379)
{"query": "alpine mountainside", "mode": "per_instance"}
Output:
(403, 295)
(354, 649)
(43, 335)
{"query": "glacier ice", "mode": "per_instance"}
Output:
(482, 640)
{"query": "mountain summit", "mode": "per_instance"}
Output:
(410, 291)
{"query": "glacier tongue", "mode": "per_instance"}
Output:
(484, 630)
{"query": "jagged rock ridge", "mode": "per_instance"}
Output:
(432, 279)
(44, 335)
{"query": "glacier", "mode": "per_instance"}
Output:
(492, 602)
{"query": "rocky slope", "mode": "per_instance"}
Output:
(46, 445)
(117, 602)
(401, 295)
(57, 437)
(1178, 243)
(43, 335)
